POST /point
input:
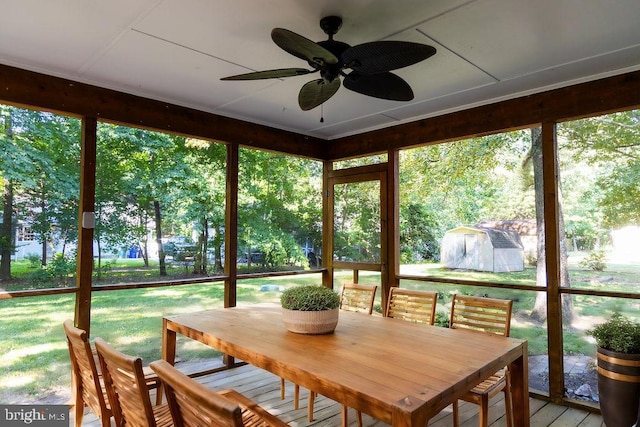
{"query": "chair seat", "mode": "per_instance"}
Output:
(491, 386)
(162, 415)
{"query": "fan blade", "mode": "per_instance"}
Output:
(270, 74)
(383, 85)
(302, 47)
(380, 57)
(316, 92)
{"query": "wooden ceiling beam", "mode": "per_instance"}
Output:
(34, 90)
(602, 96)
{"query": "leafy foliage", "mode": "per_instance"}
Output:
(59, 270)
(596, 261)
(34, 260)
(309, 298)
(417, 234)
(618, 334)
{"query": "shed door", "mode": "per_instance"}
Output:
(471, 250)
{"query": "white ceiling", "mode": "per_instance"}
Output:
(177, 50)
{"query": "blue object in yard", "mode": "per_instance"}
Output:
(133, 252)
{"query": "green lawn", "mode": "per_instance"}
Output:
(34, 361)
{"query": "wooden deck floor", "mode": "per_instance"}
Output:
(264, 388)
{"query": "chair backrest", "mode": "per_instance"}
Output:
(193, 404)
(412, 305)
(85, 371)
(355, 297)
(126, 386)
(488, 315)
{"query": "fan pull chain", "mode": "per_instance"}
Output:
(321, 113)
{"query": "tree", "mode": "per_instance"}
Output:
(40, 177)
(279, 206)
(539, 311)
(447, 185)
(149, 164)
(199, 199)
(417, 234)
(610, 146)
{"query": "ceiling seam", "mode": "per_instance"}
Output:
(100, 53)
(431, 18)
(458, 55)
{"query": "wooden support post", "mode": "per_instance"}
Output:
(327, 226)
(552, 252)
(84, 265)
(391, 268)
(231, 227)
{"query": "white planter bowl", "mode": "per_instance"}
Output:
(310, 322)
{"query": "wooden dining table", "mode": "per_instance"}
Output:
(399, 372)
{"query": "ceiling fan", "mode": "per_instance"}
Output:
(370, 65)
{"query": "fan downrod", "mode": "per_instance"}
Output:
(330, 25)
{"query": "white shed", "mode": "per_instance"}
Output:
(482, 249)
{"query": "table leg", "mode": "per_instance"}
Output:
(519, 370)
(168, 343)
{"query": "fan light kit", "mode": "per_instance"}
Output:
(370, 65)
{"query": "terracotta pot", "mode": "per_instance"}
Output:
(310, 322)
(619, 387)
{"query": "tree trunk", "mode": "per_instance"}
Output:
(143, 241)
(6, 235)
(99, 267)
(218, 249)
(158, 218)
(43, 236)
(540, 308)
(200, 263)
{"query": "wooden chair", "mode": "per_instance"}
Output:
(193, 404)
(492, 316)
(412, 305)
(88, 388)
(127, 390)
(355, 297)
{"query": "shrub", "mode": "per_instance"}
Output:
(442, 319)
(39, 276)
(34, 260)
(618, 334)
(596, 261)
(60, 267)
(309, 298)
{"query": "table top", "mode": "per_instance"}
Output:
(381, 366)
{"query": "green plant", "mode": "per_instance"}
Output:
(34, 260)
(618, 334)
(60, 267)
(442, 319)
(310, 298)
(596, 261)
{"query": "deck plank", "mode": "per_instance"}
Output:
(570, 417)
(264, 388)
